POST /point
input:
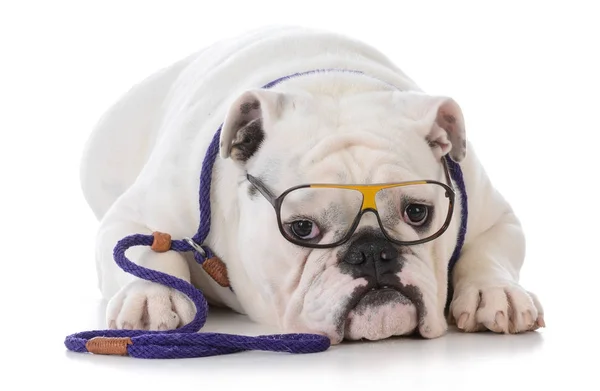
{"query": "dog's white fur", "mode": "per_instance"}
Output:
(141, 166)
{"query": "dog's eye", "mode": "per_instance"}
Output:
(304, 229)
(416, 214)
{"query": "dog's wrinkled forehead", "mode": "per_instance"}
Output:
(365, 137)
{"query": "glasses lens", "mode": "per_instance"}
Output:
(413, 212)
(321, 216)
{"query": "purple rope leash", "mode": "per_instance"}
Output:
(457, 176)
(186, 342)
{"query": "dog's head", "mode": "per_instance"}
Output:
(326, 253)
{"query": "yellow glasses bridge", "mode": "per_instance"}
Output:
(368, 191)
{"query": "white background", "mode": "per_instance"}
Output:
(525, 74)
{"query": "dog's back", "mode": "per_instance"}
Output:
(124, 139)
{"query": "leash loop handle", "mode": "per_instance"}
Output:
(184, 342)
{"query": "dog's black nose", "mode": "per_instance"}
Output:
(371, 255)
(379, 250)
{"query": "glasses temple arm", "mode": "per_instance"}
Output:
(262, 189)
(447, 173)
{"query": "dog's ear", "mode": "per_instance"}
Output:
(244, 127)
(444, 126)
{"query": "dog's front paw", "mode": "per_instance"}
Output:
(149, 306)
(499, 307)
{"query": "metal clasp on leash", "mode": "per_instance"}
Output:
(195, 246)
(213, 266)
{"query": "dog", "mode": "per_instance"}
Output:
(332, 206)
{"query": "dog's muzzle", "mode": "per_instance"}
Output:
(382, 307)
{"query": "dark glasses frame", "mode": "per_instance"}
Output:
(368, 205)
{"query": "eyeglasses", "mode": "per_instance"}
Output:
(326, 215)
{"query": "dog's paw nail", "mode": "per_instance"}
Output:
(501, 322)
(540, 321)
(528, 317)
(127, 326)
(112, 324)
(499, 317)
(462, 321)
(163, 326)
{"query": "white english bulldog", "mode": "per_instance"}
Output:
(336, 199)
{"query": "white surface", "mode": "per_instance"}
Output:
(525, 75)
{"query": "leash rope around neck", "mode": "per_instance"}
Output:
(186, 342)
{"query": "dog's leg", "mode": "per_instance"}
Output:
(135, 303)
(487, 294)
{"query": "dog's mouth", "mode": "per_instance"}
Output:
(380, 296)
(379, 312)
(376, 296)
